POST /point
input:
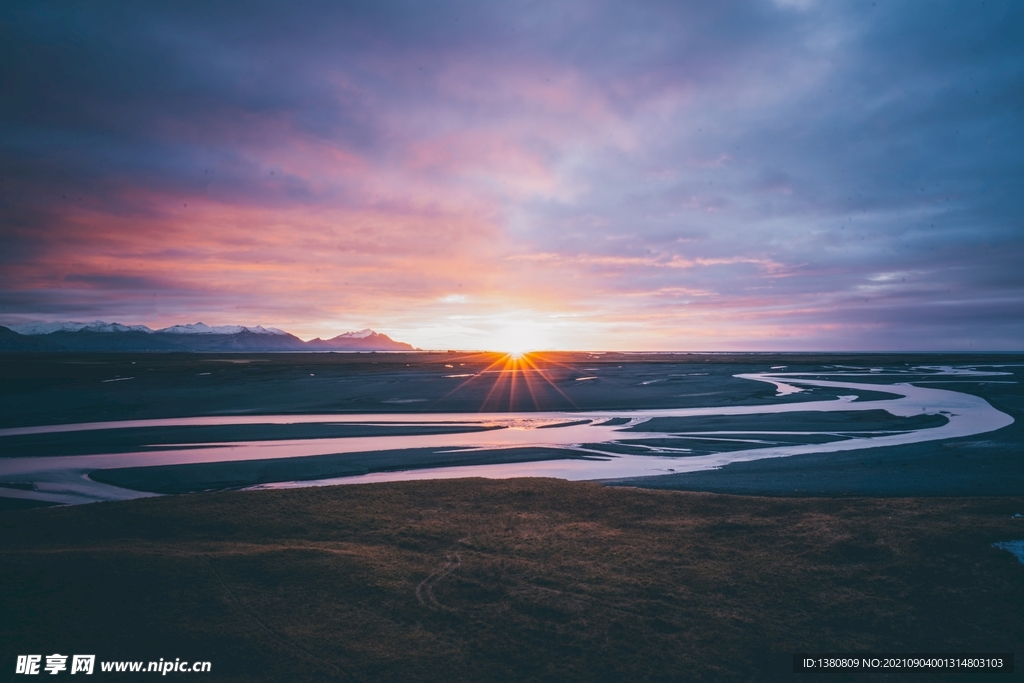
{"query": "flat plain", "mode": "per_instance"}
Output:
(516, 579)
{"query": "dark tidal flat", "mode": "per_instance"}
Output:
(39, 389)
(222, 475)
(65, 388)
(227, 475)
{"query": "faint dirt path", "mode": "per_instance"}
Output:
(425, 590)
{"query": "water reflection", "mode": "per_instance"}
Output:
(593, 433)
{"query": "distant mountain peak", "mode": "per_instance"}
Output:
(72, 326)
(67, 336)
(362, 340)
(361, 334)
(202, 328)
(259, 329)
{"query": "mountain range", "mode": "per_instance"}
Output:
(103, 336)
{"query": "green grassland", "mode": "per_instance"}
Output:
(517, 580)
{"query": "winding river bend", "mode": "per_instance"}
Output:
(591, 434)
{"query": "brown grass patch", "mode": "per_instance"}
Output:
(519, 580)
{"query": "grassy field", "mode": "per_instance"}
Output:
(518, 580)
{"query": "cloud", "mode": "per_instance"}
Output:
(768, 163)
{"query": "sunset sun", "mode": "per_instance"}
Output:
(518, 339)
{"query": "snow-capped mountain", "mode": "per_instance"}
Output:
(196, 337)
(95, 326)
(200, 328)
(361, 334)
(363, 339)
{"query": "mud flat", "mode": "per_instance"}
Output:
(805, 428)
(990, 464)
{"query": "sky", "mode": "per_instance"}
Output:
(680, 175)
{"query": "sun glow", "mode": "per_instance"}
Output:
(519, 339)
(520, 380)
